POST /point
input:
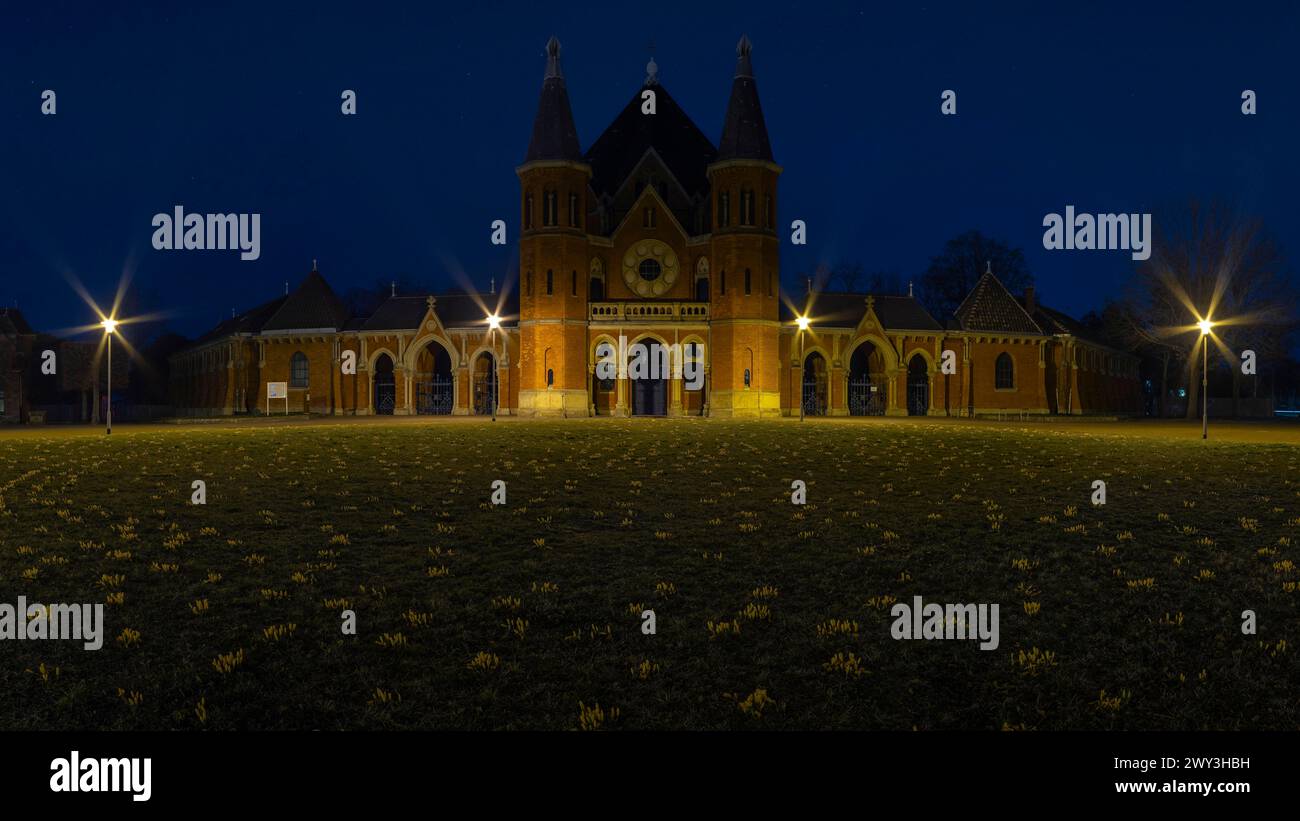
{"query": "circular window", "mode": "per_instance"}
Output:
(650, 270)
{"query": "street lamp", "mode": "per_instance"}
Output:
(803, 323)
(110, 328)
(494, 322)
(1205, 325)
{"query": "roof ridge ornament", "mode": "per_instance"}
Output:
(988, 266)
(652, 73)
(553, 59)
(871, 302)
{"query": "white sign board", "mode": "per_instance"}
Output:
(277, 390)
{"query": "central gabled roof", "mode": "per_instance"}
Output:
(313, 306)
(669, 131)
(991, 307)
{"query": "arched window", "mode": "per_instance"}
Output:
(528, 283)
(746, 282)
(724, 209)
(298, 370)
(702, 289)
(767, 212)
(597, 287)
(1004, 373)
(573, 283)
(528, 211)
(723, 281)
(550, 282)
(573, 210)
(746, 207)
(550, 377)
(550, 208)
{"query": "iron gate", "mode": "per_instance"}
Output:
(866, 398)
(485, 394)
(434, 398)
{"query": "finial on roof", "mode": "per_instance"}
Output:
(393, 286)
(286, 287)
(988, 266)
(492, 288)
(909, 288)
(553, 59)
(652, 73)
(743, 67)
(431, 301)
(313, 265)
(871, 302)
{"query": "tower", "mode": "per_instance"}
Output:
(745, 257)
(553, 257)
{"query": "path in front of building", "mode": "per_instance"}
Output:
(1239, 431)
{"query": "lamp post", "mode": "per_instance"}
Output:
(802, 322)
(110, 327)
(1205, 325)
(494, 322)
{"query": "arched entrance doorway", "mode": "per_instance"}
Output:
(648, 378)
(918, 387)
(868, 385)
(816, 380)
(485, 384)
(435, 392)
(385, 386)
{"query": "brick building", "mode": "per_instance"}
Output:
(653, 235)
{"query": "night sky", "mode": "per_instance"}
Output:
(1110, 107)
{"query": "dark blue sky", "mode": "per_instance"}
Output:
(1109, 107)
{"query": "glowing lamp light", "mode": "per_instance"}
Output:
(494, 321)
(109, 325)
(1205, 325)
(802, 322)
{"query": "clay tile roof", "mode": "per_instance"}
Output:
(990, 307)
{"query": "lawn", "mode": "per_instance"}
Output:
(768, 614)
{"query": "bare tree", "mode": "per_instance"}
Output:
(1209, 262)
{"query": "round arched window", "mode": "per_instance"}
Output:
(650, 270)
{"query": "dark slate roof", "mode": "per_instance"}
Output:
(313, 305)
(12, 323)
(249, 322)
(455, 310)
(670, 132)
(990, 307)
(555, 136)
(842, 310)
(744, 132)
(1054, 322)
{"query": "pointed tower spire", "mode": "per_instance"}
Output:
(555, 137)
(744, 133)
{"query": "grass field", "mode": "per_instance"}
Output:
(769, 615)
